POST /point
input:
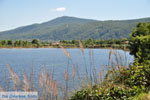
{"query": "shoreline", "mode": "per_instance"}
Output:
(60, 48)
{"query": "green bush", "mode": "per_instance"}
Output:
(87, 94)
(110, 93)
(140, 42)
(118, 93)
(139, 77)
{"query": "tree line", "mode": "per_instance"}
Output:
(19, 43)
(90, 43)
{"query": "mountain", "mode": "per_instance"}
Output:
(69, 28)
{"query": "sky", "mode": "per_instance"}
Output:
(16, 13)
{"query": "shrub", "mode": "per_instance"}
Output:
(110, 93)
(118, 93)
(87, 94)
(140, 42)
(139, 77)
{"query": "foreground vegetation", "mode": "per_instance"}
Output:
(126, 83)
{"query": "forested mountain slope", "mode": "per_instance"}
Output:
(70, 28)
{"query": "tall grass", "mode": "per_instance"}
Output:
(49, 87)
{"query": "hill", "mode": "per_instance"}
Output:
(69, 28)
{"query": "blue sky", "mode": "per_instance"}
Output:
(15, 13)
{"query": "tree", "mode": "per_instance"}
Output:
(35, 41)
(140, 43)
(20, 42)
(10, 42)
(16, 43)
(26, 43)
(4, 42)
(0, 44)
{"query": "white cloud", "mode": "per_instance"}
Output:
(61, 9)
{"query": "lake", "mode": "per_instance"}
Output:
(55, 61)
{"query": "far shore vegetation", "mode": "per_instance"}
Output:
(90, 43)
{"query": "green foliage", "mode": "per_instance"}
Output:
(139, 77)
(24, 44)
(35, 41)
(136, 77)
(3, 42)
(10, 42)
(118, 93)
(91, 43)
(18, 43)
(86, 94)
(110, 93)
(70, 28)
(141, 96)
(140, 43)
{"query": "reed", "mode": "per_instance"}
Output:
(15, 78)
(26, 82)
(48, 85)
(73, 72)
(32, 78)
(1, 89)
(81, 46)
(66, 52)
(66, 88)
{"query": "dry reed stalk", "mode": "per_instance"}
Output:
(52, 90)
(49, 81)
(26, 82)
(41, 80)
(56, 88)
(73, 71)
(1, 89)
(32, 78)
(120, 56)
(43, 83)
(45, 74)
(48, 85)
(81, 46)
(65, 75)
(61, 87)
(66, 89)
(15, 78)
(66, 52)
(5, 80)
(101, 75)
(103, 68)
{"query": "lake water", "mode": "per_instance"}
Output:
(54, 60)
